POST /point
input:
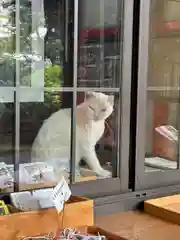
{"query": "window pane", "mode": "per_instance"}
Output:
(97, 131)
(100, 34)
(32, 53)
(163, 109)
(45, 138)
(7, 46)
(36, 120)
(49, 141)
(6, 146)
(34, 43)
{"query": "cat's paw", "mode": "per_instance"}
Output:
(102, 173)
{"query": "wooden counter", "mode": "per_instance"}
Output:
(139, 226)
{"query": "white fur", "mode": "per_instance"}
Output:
(53, 138)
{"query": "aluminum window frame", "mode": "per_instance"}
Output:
(114, 185)
(145, 180)
(100, 187)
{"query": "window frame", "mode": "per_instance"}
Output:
(114, 185)
(104, 186)
(145, 180)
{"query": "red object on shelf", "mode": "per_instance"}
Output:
(167, 27)
(162, 146)
(86, 34)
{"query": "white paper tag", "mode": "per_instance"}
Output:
(168, 132)
(5, 182)
(36, 171)
(61, 193)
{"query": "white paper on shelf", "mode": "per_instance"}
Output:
(168, 132)
(44, 197)
(161, 163)
(5, 182)
(29, 173)
(6, 178)
(24, 201)
(36, 172)
(36, 199)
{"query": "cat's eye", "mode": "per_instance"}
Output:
(103, 110)
(91, 107)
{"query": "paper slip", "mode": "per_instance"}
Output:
(36, 171)
(5, 182)
(60, 194)
(168, 132)
(91, 237)
(25, 201)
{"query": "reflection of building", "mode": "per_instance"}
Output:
(99, 37)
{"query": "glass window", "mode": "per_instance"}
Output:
(162, 128)
(98, 124)
(171, 12)
(32, 43)
(60, 115)
(99, 44)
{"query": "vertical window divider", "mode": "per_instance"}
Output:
(16, 99)
(73, 119)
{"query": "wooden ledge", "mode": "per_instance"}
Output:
(167, 208)
(135, 225)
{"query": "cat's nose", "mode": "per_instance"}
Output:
(96, 118)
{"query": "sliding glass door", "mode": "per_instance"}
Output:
(104, 57)
(158, 109)
(65, 94)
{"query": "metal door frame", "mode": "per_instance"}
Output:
(144, 179)
(113, 186)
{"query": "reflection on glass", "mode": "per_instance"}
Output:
(163, 109)
(31, 55)
(6, 146)
(35, 41)
(96, 141)
(46, 137)
(99, 43)
(7, 48)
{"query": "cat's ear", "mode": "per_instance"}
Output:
(89, 95)
(111, 99)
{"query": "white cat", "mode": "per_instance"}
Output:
(54, 137)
